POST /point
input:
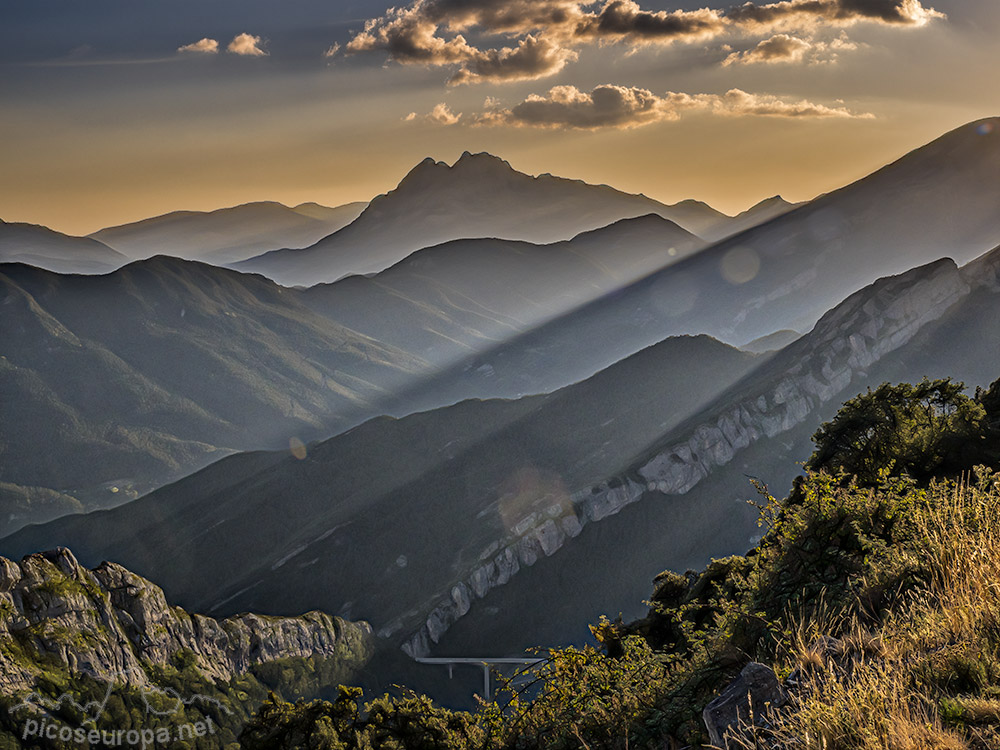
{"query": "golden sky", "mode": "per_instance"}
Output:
(112, 111)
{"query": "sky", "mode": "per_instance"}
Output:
(116, 110)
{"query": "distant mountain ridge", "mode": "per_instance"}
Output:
(248, 232)
(163, 366)
(765, 210)
(479, 196)
(450, 300)
(228, 235)
(142, 375)
(54, 251)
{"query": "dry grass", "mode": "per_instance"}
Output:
(926, 676)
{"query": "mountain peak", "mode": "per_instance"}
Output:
(775, 202)
(426, 169)
(471, 167)
(642, 223)
(482, 163)
(480, 157)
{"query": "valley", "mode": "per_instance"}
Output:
(471, 416)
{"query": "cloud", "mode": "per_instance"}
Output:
(606, 106)
(205, 45)
(532, 58)
(780, 48)
(548, 32)
(824, 53)
(626, 20)
(808, 14)
(332, 50)
(784, 48)
(440, 115)
(738, 103)
(511, 17)
(410, 37)
(246, 44)
(621, 107)
(443, 116)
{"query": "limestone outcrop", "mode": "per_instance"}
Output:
(109, 622)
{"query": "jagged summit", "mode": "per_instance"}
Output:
(426, 164)
(469, 166)
(481, 159)
(480, 195)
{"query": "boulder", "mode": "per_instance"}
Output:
(743, 706)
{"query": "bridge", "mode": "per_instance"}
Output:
(485, 662)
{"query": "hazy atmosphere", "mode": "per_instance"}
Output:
(500, 375)
(114, 111)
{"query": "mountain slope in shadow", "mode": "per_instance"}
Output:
(374, 519)
(141, 375)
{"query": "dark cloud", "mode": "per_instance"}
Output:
(809, 14)
(513, 17)
(432, 32)
(624, 19)
(410, 36)
(888, 11)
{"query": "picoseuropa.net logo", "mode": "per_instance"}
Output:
(41, 718)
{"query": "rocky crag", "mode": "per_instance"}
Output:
(112, 624)
(785, 392)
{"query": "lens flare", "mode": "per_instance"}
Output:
(740, 265)
(297, 448)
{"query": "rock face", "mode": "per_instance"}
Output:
(743, 706)
(109, 622)
(864, 328)
(984, 271)
(788, 389)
